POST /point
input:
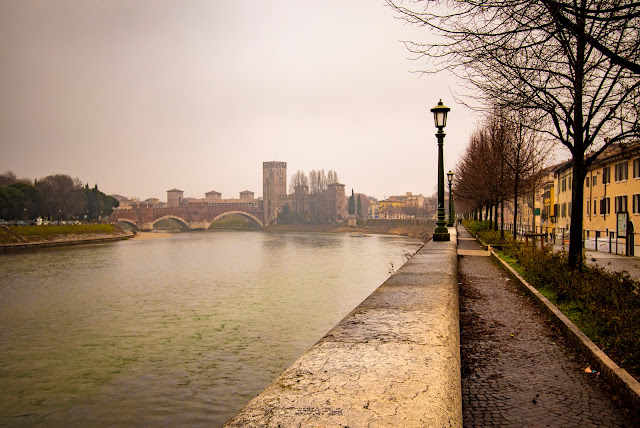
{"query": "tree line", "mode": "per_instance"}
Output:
(310, 199)
(572, 68)
(55, 197)
(504, 161)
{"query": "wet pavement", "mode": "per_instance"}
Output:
(517, 369)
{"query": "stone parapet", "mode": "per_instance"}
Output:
(393, 361)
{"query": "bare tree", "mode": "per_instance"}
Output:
(524, 156)
(620, 43)
(519, 55)
(61, 195)
(299, 188)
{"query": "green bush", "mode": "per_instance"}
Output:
(605, 305)
(477, 226)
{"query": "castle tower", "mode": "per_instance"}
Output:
(174, 197)
(274, 188)
(338, 201)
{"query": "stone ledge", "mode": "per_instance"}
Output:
(393, 361)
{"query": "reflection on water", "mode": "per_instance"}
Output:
(177, 331)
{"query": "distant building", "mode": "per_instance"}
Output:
(402, 206)
(612, 187)
(274, 189)
(247, 196)
(338, 201)
(213, 197)
(123, 201)
(174, 197)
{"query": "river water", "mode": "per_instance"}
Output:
(178, 331)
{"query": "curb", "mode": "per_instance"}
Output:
(627, 386)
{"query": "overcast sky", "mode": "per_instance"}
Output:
(141, 96)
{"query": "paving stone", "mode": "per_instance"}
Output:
(517, 370)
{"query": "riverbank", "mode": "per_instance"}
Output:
(59, 235)
(144, 236)
(422, 230)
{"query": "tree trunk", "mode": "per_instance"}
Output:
(515, 205)
(502, 220)
(490, 206)
(575, 231)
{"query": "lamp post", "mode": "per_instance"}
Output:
(450, 180)
(440, 116)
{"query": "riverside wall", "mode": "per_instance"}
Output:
(393, 361)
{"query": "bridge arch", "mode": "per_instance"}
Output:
(132, 223)
(242, 213)
(180, 220)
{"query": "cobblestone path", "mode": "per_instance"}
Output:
(516, 368)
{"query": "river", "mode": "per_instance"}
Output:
(178, 331)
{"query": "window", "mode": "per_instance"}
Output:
(587, 181)
(555, 210)
(564, 210)
(588, 207)
(636, 168)
(636, 204)
(569, 179)
(605, 206)
(621, 204)
(595, 207)
(622, 171)
(595, 180)
(564, 185)
(606, 175)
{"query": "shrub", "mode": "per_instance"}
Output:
(606, 304)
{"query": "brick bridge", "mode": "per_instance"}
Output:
(199, 215)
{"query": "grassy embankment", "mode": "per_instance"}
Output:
(51, 233)
(604, 305)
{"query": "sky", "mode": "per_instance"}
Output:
(142, 96)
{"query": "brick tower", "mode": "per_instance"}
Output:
(274, 188)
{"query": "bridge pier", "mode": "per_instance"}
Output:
(146, 226)
(198, 225)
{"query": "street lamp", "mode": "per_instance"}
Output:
(450, 180)
(440, 116)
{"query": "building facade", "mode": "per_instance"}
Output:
(612, 190)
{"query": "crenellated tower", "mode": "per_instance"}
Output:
(274, 188)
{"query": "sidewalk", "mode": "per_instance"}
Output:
(517, 369)
(609, 261)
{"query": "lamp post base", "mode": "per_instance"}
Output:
(441, 236)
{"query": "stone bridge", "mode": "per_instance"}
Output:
(191, 215)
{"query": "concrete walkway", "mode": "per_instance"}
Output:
(517, 369)
(394, 361)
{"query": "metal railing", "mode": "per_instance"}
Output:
(559, 236)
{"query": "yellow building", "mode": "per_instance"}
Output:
(562, 183)
(391, 208)
(612, 193)
(548, 215)
(536, 209)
